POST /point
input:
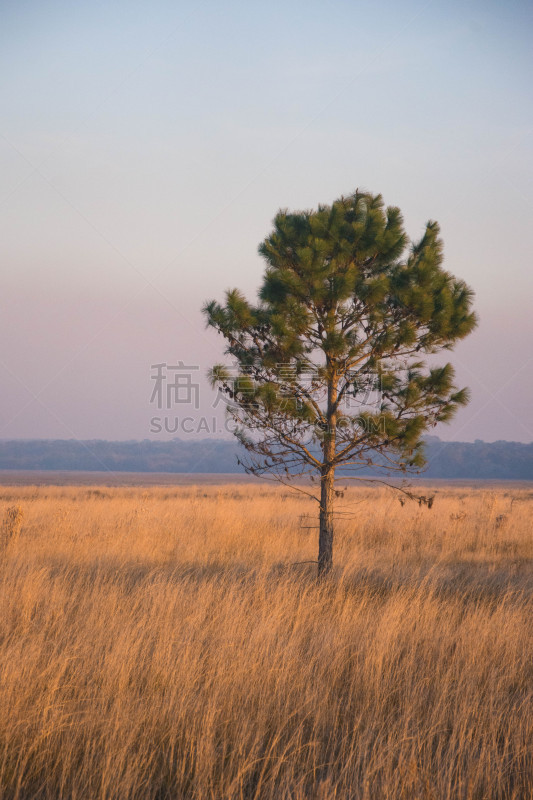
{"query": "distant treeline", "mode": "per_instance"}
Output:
(499, 460)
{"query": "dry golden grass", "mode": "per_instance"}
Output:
(162, 643)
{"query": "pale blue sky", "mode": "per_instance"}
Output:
(145, 148)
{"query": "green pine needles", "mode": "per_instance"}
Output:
(328, 367)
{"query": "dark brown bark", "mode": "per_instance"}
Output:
(327, 484)
(325, 537)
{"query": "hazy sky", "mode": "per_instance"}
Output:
(145, 148)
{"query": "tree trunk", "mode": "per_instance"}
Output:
(325, 537)
(327, 482)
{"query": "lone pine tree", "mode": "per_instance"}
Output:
(327, 366)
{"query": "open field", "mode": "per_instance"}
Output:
(52, 477)
(163, 642)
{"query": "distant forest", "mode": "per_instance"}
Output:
(496, 460)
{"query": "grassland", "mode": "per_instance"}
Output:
(167, 643)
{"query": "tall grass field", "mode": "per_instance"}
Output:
(173, 642)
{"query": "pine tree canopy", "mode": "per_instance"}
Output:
(329, 367)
